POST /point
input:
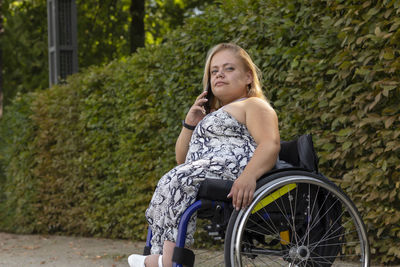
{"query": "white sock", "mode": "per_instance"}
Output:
(160, 261)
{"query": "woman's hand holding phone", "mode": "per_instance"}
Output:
(197, 112)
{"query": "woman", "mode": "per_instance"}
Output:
(238, 140)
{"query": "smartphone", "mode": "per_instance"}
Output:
(210, 98)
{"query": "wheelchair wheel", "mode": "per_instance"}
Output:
(297, 219)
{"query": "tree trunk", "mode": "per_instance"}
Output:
(137, 24)
(1, 82)
(1, 61)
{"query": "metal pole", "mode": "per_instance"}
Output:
(62, 39)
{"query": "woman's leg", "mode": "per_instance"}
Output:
(155, 214)
(168, 250)
(175, 191)
(152, 260)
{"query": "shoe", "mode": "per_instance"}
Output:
(136, 260)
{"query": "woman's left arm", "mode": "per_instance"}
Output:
(262, 123)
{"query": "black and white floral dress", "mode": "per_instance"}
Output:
(220, 148)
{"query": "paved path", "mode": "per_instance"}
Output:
(61, 251)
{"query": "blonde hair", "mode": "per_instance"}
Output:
(254, 90)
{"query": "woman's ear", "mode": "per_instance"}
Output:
(249, 77)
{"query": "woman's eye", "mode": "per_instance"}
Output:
(213, 72)
(229, 68)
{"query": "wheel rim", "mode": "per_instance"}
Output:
(303, 247)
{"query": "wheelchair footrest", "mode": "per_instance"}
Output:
(183, 256)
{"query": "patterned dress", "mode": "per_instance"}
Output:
(220, 148)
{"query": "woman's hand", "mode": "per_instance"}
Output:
(242, 192)
(197, 111)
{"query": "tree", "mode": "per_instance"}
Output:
(164, 15)
(103, 31)
(107, 29)
(137, 32)
(1, 61)
(24, 47)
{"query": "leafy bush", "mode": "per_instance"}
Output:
(18, 185)
(91, 151)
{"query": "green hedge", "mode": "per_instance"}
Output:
(83, 158)
(18, 185)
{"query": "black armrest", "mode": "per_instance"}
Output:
(215, 189)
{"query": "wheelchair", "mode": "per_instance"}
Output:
(297, 218)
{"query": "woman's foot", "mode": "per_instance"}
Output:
(136, 260)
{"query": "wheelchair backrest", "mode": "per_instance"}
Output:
(300, 153)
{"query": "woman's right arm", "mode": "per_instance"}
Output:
(182, 145)
(194, 116)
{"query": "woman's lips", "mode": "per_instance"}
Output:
(219, 83)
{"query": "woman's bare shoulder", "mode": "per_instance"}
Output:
(258, 104)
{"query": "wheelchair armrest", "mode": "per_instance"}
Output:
(215, 189)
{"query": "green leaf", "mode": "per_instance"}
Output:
(345, 132)
(346, 145)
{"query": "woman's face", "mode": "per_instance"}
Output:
(229, 79)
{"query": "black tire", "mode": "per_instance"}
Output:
(326, 229)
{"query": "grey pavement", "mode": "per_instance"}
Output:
(63, 251)
(66, 251)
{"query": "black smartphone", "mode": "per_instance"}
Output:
(210, 98)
